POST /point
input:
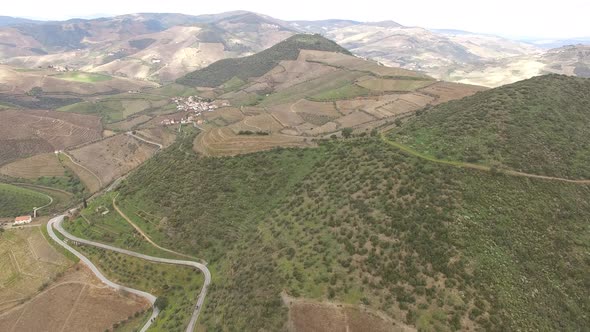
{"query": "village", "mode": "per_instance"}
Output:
(194, 106)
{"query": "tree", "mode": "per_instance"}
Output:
(346, 132)
(161, 302)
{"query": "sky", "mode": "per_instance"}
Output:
(509, 18)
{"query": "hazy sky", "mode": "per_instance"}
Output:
(541, 18)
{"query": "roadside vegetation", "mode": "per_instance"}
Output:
(176, 287)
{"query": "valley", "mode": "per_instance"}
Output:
(237, 172)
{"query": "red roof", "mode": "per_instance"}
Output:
(22, 218)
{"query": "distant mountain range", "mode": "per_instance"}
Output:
(164, 47)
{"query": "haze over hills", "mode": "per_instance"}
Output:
(279, 181)
(163, 47)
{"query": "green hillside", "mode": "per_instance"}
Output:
(260, 63)
(360, 222)
(540, 126)
(15, 201)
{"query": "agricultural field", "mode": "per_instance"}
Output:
(83, 77)
(225, 142)
(38, 85)
(91, 181)
(117, 108)
(42, 165)
(76, 301)
(15, 201)
(28, 265)
(315, 94)
(113, 156)
(308, 316)
(162, 135)
(25, 133)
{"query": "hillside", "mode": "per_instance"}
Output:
(15, 201)
(358, 222)
(537, 126)
(258, 64)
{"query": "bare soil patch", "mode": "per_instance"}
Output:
(26, 133)
(308, 315)
(46, 164)
(75, 302)
(114, 156)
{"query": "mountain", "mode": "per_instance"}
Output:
(538, 126)
(8, 20)
(258, 64)
(159, 47)
(162, 47)
(365, 231)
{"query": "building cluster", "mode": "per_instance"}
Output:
(194, 106)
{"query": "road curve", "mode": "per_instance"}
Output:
(57, 223)
(130, 133)
(151, 298)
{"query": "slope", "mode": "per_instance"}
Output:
(358, 222)
(260, 63)
(536, 126)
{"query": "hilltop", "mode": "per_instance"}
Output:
(306, 88)
(258, 64)
(537, 126)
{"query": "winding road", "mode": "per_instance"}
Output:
(57, 223)
(130, 133)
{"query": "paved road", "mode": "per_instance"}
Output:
(56, 222)
(130, 133)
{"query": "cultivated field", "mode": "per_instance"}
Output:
(27, 262)
(77, 301)
(77, 84)
(114, 156)
(161, 135)
(26, 133)
(224, 142)
(46, 164)
(86, 176)
(313, 316)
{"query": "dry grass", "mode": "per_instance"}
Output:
(76, 302)
(89, 179)
(27, 261)
(129, 123)
(114, 156)
(355, 118)
(46, 164)
(390, 85)
(162, 135)
(224, 142)
(307, 316)
(445, 91)
(26, 133)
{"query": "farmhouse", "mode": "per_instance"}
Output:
(22, 220)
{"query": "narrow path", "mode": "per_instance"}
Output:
(461, 164)
(85, 168)
(143, 234)
(57, 222)
(130, 133)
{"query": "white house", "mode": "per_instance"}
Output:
(22, 220)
